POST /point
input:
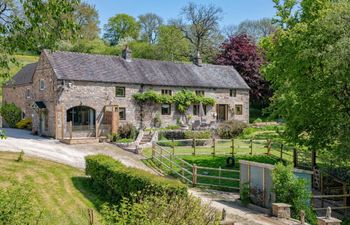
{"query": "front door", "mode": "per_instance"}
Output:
(42, 123)
(221, 111)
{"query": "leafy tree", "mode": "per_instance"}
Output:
(121, 26)
(309, 69)
(150, 24)
(292, 190)
(242, 53)
(255, 29)
(171, 44)
(144, 50)
(11, 114)
(200, 25)
(86, 17)
(33, 25)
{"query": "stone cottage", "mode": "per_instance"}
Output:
(85, 95)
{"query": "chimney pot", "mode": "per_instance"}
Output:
(126, 54)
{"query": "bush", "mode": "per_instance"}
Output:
(173, 127)
(128, 131)
(197, 134)
(25, 124)
(231, 129)
(115, 181)
(291, 190)
(17, 206)
(11, 114)
(160, 210)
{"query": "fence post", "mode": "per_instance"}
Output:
(281, 151)
(91, 216)
(220, 175)
(153, 150)
(268, 146)
(345, 199)
(173, 146)
(295, 157)
(233, 147)
(251, 147)
(183, 171)
(194, 174)
(214, 147)
(194, 146)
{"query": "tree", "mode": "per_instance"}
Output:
(200, 25)
(255, 29)
(171, 44)
(242, 53)
(121, 26)
(309, 69)
(40, 24)
(150, 24)
(86, 17)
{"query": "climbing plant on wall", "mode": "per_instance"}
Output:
(182, 99)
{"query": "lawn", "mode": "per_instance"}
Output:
(61, 191)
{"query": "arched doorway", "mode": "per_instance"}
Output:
(82, 118)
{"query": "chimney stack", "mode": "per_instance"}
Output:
(198, 59)
(126, 54)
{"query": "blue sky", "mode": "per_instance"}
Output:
(235, 11)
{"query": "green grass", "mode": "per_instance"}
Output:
(61, 191)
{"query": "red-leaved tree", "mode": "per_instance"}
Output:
(242, 53)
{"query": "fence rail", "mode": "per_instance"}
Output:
(193, 174)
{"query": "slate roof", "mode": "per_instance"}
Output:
(24, 76)
(107, 68)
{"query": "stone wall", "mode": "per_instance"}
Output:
(18, 96)
(48, 96)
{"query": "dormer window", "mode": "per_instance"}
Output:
(42, 84)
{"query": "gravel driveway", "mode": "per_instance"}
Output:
(73, 155)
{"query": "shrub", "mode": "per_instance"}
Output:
(128, 131)
(231, 129)
(173, 127)
(197, 134)
(160, 210)
(289, 189)
(172, 134)
(17, 206)
(24, 124)
(11, 114)
(245, 194)
(258, 120)
(113, 137)
(115, 181)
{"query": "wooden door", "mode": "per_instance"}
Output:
(222, 112)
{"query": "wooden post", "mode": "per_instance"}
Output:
(214, 147)
(173, 146)
(97, 128)
(183, 171)
(194, 146)
(295, 157)
(281, 156)
(233, 147)
(268, 146)
(345, 199)
(194, 175)
(70, 129)
(91, 216)
(153, 150)
(251, 147)
(313, 159)
(263, 186)
(220, 175)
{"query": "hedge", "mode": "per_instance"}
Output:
(115, 181)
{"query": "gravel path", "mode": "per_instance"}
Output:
(72, 155)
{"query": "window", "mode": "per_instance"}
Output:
(42, 84)
(239, 109)
(28, 93)
(167, 92)
(122, 113)
(233, 92)
(166, 109)
(196, 110)
(200, 93)
(120, 91)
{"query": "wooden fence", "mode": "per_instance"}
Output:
(232, 147)
(226, 179)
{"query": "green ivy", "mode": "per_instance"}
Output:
(182, 99)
